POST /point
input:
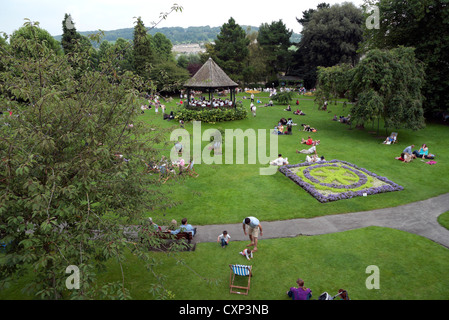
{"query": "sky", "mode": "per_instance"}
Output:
(92, 15)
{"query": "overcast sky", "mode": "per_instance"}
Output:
(92, 15)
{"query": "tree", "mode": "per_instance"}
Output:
(65, 193)
(256, 70)
(231, 49)
(143, 50)
(307, 15)
(333, 83)
(332, 36)
(69, 34)
(162, 47)
(274, 38)
(168, 77)
(387, 84)
(33, 33)
(417, 24)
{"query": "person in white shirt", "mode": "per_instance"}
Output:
(254, 227)
(247, 253)
(280, 161)
(223, 239)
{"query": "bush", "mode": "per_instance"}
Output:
(212, 115)
(283, 97)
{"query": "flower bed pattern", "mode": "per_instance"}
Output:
(336, 179)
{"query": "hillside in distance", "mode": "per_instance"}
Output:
(177, 35)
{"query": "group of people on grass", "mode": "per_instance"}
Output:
(167, 168)
(408, 154)
(342, 119)
(284, 126)
(253, 228)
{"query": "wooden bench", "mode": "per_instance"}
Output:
(181, 235)
(169, 239)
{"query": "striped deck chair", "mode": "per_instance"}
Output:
(393, 138)
(241, 271)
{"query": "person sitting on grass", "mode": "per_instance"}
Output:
(300, 293)
(279, 161)
(288, 108)
(280, 129)
(423, 153)
(409, 151)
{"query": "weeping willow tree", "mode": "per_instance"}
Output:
(387, 84)
(332, 84)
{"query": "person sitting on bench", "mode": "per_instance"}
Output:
(185, 227)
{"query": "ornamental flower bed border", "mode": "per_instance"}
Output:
(388, 187)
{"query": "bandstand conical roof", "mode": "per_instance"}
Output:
(210, 75)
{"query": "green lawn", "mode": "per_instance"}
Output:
(443, 219)
(226, 193)
(325, 263)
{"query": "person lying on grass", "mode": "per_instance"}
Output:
(299, 113)
(311, 150)
(314, 158)
(308, 128)
(309, 141)
(405, 157)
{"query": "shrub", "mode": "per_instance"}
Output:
(212, 115)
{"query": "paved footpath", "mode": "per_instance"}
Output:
(418, 217)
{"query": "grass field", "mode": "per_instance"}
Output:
(226, 193)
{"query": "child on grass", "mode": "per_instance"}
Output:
(247, 253)
(223, 239)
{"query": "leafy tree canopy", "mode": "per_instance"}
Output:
(422, 25)
(72, 169)
(332, 36)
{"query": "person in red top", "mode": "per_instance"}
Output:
(308, 142)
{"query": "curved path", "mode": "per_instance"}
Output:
(417, 217)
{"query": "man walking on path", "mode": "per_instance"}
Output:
(254, 227)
